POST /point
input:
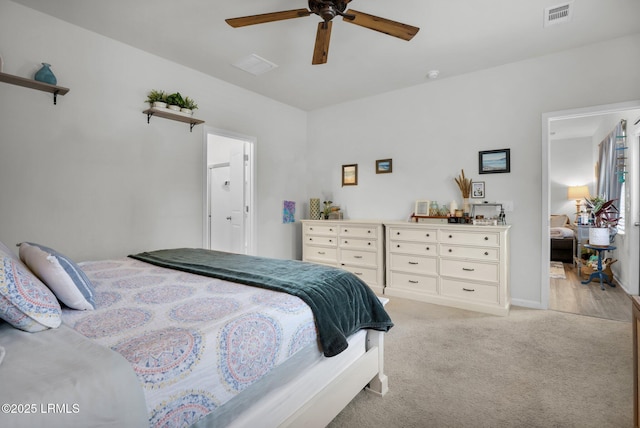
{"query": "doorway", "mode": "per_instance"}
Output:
(629, 242)
(229, 208)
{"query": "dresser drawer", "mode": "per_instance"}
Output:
(479, 253)
(469, 270)
(449, 236)
(315, 229)
(419, 248)
(425, 235)
(369, 244)
(323, 254)
(368, 275)
(358, 231)
(469, 291)
(406, 281)
(358, 257)
(321, 240)
(407, 263)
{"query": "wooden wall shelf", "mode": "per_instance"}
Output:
(34, 84)
(168, 114)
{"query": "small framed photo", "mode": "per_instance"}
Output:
(350, 175)
(421, 207)
(494, 161)
(477, 189)
(384, 166)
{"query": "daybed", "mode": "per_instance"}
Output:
(175, 338)
(562, 238)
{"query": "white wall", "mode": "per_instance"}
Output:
(433, 130)
(571, 164)
(91, 178)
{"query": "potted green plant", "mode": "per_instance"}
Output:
(175, 101)
(188, 106)
(157, 98)
(605, 216)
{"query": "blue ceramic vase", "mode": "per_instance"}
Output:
(46, 75)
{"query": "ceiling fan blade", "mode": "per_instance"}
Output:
(267, 17)
(383, 25)
(323, 36)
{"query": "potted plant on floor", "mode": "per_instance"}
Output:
(605, 216)
(157, 99)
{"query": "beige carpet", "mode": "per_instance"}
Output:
(556, 270)
(534, 368)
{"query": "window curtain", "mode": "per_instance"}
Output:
(609, 184)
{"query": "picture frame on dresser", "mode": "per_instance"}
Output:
(494, 161)
(477, 189)
(350, 175)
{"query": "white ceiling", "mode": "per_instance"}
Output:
(455, 37)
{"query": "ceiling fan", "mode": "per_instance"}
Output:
(327, 10)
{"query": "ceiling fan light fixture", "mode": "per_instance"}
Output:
(254, 64)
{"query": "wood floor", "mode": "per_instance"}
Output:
(569, 295)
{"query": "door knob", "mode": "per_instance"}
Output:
(229, 218)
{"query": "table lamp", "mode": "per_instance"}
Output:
(578, 193)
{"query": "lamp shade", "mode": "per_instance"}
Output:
(578, 192)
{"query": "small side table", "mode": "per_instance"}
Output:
(599, 273)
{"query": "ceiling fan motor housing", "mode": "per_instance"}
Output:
(327, 10)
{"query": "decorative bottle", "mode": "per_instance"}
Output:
(45, 75)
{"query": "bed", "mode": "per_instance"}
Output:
(184, 337)
(562, 238)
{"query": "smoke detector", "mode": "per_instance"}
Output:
(558, 14)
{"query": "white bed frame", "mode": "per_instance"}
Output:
(315, 398)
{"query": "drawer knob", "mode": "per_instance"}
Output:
(486, 238)
(428, 235)
(398, 246)
(330, 230)
(310, 239)
(346, 242)
(368, 231)
(322, 253)
(486, 253)
(468, 289)
(346, 230)
(450, 250)
(357, 257)
(450, 236)
(413, 263)
(428, 248)
(311, 228)
(330, 240)
(368, 243)
(468, 269)
(411, 281)
(398, 233)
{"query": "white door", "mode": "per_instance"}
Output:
(237, 187)
(229, 197)
(220, 208)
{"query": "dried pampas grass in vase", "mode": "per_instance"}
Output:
(464, 184)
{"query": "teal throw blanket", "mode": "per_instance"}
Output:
(341, 302)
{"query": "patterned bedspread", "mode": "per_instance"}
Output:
(186, 335)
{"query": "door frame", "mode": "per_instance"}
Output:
(545, 284)
(250, 171)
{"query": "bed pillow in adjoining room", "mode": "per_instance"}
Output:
(67, 281)
(25, 302)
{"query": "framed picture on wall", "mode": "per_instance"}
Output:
(384, 166)
(477, 189)
(494, 161)
(350, 175)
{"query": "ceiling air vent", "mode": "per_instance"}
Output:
(558, 14)
(255, 65)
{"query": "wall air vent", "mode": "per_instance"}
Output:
(558, 14)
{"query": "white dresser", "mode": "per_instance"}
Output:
(356, 246)
(455, 265)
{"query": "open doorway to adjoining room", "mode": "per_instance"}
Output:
(569, 154)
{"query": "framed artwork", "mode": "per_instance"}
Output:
(288, 212)
(477, 189)
(350, 175)
(384, 166)
(494, 161)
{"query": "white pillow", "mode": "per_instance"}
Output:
(67, 281)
